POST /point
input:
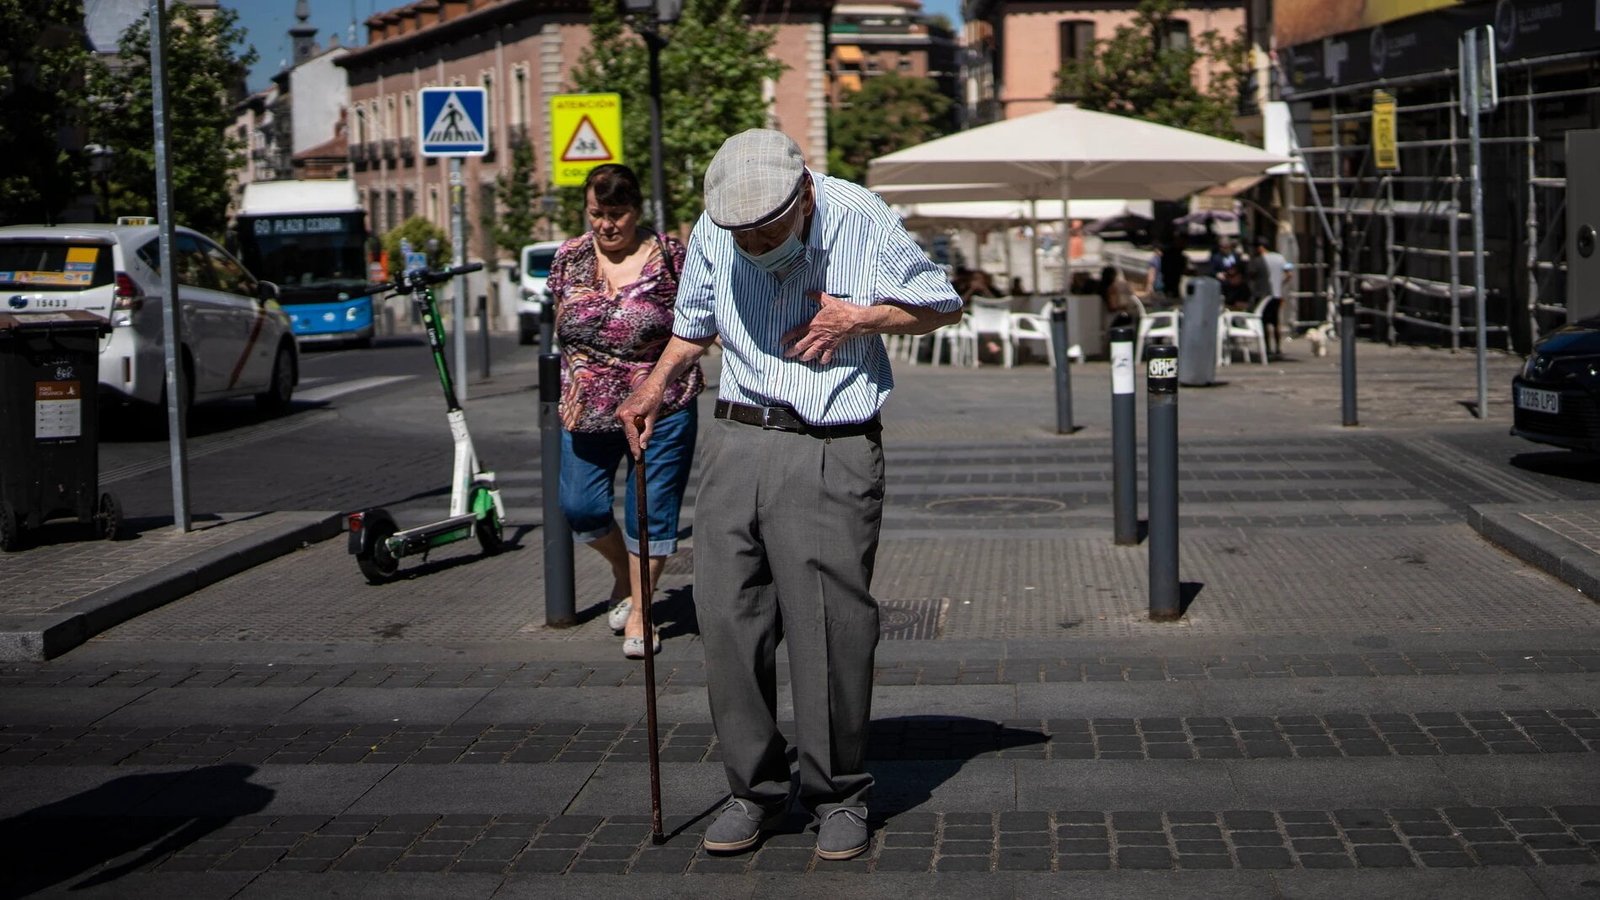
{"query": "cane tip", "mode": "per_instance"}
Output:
(658, 839)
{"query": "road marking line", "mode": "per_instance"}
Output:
(1508, 484)
(339, 389)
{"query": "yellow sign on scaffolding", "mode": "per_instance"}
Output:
(586, 131)
(1385, 150)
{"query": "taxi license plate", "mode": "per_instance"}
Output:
(1538, 401)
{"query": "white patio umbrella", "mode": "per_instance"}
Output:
(1067, 153)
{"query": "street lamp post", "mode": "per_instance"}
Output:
(648, 17)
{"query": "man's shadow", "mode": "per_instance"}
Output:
(79, 834)
(909, 758)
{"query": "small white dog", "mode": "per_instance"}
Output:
(1319, 337)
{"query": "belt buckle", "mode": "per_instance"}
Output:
(766, 420)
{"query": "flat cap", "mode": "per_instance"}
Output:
(753, 178)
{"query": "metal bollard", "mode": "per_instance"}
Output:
(1058, 340)
(560, 598)
(547, 326)
(1347, 359)
(483, 333)
(1161, 387)
(1124, 439)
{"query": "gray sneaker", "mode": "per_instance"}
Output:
(739, 826)
(843, 833)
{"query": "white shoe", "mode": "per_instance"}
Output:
(617, 618)
(633, 648)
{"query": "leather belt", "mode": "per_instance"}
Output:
(782, 418)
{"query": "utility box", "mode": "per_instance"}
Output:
(49, 424)
(1197, 333)
(1583, 225)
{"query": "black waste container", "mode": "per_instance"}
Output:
(49, 424)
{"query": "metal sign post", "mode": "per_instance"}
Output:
(171, 317)
(454, 123)
(1124, 439)
(1479, 94)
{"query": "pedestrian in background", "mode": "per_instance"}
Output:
(1267, 268)
(799, 274)
(614, 288)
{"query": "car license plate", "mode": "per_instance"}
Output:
(1538, 401)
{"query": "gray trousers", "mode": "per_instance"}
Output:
(786, 531)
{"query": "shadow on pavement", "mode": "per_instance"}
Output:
(1573, 464)
(81, 833)
(924, 752)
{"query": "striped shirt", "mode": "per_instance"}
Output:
(857, 250)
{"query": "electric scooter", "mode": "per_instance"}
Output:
(475, 506)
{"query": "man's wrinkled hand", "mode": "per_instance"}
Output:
(638, 416)
(835, 321)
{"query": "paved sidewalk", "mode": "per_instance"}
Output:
(1364, 698)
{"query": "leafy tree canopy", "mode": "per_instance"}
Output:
(712, 72)
(203, 76)
(419, 231)
(1142, 72)
(516, 191)
(42, 61)
(890, 112)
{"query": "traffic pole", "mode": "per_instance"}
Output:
(1161, 387)
(1347, 360)
(1058, 340)
(177, 376)
(560, 598)
(1124, 439)
(458, 302)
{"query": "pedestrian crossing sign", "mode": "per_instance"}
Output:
(454, 121)
(585, 131)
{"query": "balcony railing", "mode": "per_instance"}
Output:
(518, 134)
(408, 150)
(389, 148)
(358, 154)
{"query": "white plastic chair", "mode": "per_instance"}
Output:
(957, 340)
(1160, 325)
(994, 320)
(1245, 331)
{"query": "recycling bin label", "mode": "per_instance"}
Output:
(57, 410)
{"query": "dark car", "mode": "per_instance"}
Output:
(1557, 394)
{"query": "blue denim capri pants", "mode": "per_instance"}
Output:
(589, 462)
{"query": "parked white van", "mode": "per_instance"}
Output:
(237, 341)
(535, 268)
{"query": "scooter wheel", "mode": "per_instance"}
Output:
(490, 530)
(376, 562)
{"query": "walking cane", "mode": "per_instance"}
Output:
(646, 593)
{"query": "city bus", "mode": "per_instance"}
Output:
(310, 239)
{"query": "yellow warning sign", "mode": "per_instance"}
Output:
(585, 131)
(1385, 151)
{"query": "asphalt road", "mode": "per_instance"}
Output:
(366, 427)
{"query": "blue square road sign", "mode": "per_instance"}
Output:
(454, 121)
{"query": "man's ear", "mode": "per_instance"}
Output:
(811, 197)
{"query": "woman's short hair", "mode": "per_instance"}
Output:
(614, 184)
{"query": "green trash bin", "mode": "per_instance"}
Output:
(49, 424)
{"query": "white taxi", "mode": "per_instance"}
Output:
(236, 339)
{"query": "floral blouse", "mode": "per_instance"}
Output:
(609, 343)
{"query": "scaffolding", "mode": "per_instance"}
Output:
(1393, 240)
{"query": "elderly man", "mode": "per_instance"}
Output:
(798, 274)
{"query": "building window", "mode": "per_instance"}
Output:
(390, 207)
(374, 210)
(406, 114)
(433, 205)
(408, 203)
(519, 95)
(1177, 34)
(488, 108)
(388, 118)
(905, 62)
(1077, 41)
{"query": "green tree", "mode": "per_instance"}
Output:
(890, 111)
(203, 76)
(43, 58)
(419, 231)
(516, 190)
(712, 71)
(1142, 72)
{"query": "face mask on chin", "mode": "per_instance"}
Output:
(781, 258)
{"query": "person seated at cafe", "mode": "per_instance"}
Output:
(1117, 295)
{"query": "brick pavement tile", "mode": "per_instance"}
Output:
(1325, 861)
(903, 860)
(1016, 839)
(1144, 858)
(734, 865)
(1264, 858)
(900, 840)
(662, 861)
(1201, 847)
(546, 861)
(1383, 856)
(782, 859)
(962, 864)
